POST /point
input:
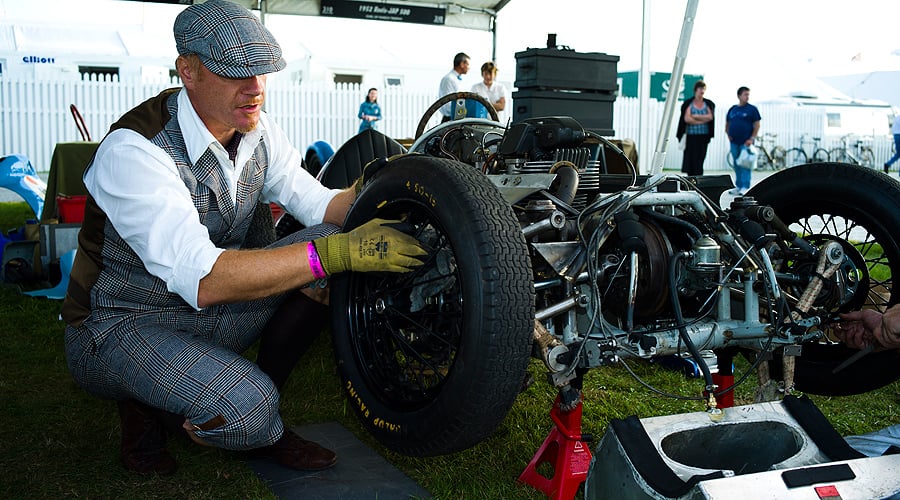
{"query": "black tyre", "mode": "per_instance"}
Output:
(794, 157)
(860, 208)
(432, 360)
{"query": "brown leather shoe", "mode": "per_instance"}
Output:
(299, 454)
(143, 446)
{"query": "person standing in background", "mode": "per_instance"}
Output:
(741, 126)
(450, 83)
(369, 111)
(696, 124)
(490, 89)
(895, 129)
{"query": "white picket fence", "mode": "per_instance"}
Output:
(35, 116)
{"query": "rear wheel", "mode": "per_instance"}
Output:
(794, 157)
(779, 158)
(432, 360)
(820, 156)
(763, 161)
(839, 155)
(867, 158)
(861, 209)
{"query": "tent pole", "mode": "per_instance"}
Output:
(662, 140)
(493, 37)
(643, 91)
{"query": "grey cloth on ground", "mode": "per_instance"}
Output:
(874, 444)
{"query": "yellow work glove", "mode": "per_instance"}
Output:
(374, 246)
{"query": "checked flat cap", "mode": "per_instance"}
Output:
(228, 38)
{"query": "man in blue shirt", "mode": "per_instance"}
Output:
(741, 127)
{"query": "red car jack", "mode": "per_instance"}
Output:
(566, 451)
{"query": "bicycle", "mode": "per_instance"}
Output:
(799, 156)
(767, 159)
(859, 154)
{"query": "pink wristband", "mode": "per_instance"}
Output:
(315, 265)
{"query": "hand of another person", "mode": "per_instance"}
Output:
(867, 327)
(889, 336)
(374, 246)
(857, 328)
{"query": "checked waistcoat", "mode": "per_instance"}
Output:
(108, 273)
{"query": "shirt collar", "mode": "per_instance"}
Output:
(197, 138)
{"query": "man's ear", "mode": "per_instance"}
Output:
(186, 71)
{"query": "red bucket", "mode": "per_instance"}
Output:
(71, 208)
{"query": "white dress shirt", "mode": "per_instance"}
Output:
(450, 84)
(493, 94)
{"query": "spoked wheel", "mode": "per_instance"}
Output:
(861, 209)
(794, 157)
(454, 97)
(432, 360)
(820, 156)
(867, 158)
(779, 158)
(839, 155)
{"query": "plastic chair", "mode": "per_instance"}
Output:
(17, 175)
(59, 291)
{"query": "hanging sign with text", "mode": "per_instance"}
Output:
(383, 12)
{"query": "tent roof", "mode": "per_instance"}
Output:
(471, 14)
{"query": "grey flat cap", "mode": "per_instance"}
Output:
(228, 38)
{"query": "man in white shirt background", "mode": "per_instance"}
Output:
(450, 83)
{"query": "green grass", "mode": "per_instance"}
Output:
(58, 441)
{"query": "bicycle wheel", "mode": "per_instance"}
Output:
(763, 160)
(820, 156)
(779, 158)
(867, 158)
(795, 156)
(839, 155)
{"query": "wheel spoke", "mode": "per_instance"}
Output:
(857, 235)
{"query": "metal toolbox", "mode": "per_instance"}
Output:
(566, 69)
(594, 111)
